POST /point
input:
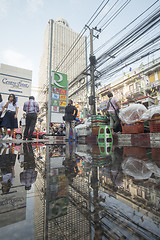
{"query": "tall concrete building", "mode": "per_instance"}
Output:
(68, 56)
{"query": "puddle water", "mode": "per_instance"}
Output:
(78, 191)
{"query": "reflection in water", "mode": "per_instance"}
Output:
(7, 163)
(80, 192)
(29, 175)
(71, 168)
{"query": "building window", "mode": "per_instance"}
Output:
(151, 78)
(147, 196)
(158, 73)
(139, 192)
(138, 85)
(131, 88)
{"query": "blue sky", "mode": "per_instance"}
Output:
(23, 23)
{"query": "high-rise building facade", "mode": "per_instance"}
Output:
(68, 56)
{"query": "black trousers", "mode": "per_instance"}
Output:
(31, 119)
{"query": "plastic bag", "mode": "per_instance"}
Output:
(151, 112)
(136, 168)
(132, 113)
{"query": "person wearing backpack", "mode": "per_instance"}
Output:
(70, 116)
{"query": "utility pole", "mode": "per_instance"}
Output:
(92, 66)
(92, 59)
(49, 72)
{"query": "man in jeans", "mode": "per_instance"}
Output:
(31, 108)
(70, 116)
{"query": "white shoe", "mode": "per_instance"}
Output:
(9, 138)
(5, 137)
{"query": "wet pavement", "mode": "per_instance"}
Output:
(79, 192)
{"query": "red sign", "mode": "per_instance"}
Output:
(63, 91)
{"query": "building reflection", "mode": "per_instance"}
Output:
(82, 192)
(67, 195)
(40, 192)
(115, 195)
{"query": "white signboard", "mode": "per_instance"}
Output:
(15, 85)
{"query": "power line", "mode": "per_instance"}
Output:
(132, 54)
(120, 9)
(133, 40)
(132, 35)
(115, 14)
(81, 34)
(107, 13)
(153, 21)
(103, 45)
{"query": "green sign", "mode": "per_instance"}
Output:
(59, 80)
(59, 96)
(55, 103)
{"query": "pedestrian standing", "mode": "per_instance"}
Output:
(2, 103)
(70, 116)
(113, 109)
(10, 118)
(23, 123)
(31, 108)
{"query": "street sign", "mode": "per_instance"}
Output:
(59, 96)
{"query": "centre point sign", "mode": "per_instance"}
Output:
(15, 84)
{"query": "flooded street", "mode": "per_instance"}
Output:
(77, 191)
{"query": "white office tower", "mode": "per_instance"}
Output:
(68, 56)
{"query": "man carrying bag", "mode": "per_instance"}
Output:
(113, 110)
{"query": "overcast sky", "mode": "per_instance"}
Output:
(23, 23)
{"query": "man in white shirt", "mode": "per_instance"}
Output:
(23, 123)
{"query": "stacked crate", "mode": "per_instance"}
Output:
(154, 124)
(96, 122)
(137, 127)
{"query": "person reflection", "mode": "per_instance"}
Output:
(7, 163)
(21, 157)
(115, 170)
(29, 174)
(71, 169)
